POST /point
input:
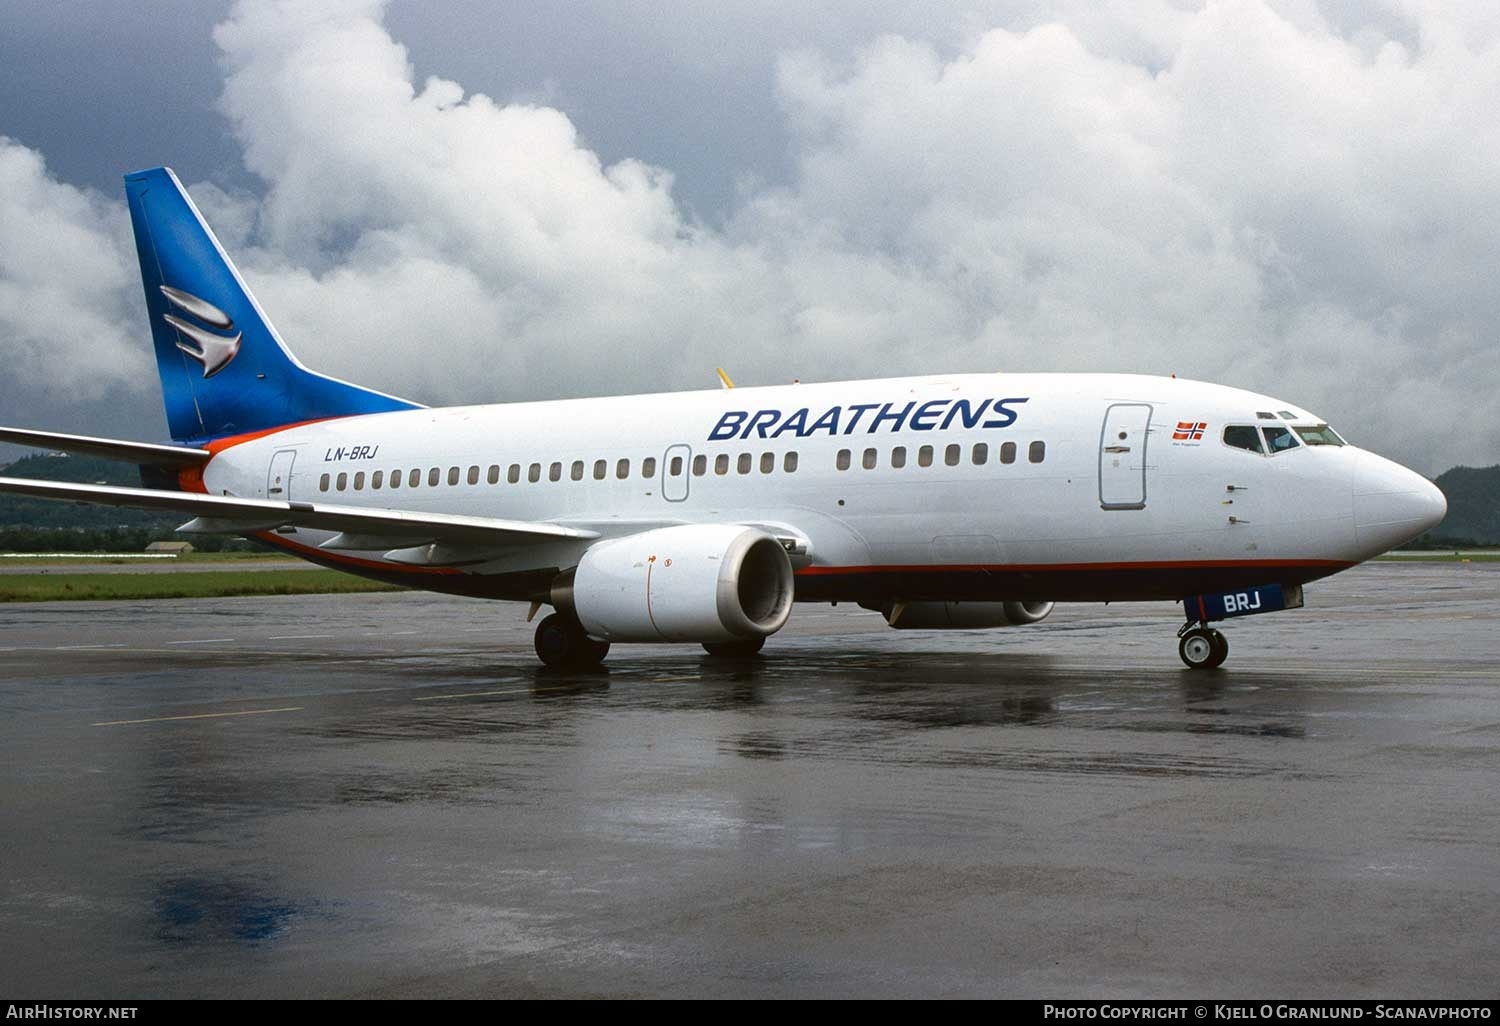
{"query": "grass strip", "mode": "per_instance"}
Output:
(208, 584)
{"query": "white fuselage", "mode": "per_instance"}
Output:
(1035, 486)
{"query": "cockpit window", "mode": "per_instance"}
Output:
(1320, 434)
(1263, 415)
(1243, 436)
(1280, 439)
(1288, 415)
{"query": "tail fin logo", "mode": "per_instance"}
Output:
(212, 351)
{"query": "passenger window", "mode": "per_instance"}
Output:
(359, 481)
(622, 469)
(493, 477)
(743, 463)
(1280, 439)
(674, 468)
(1008, 452)
(789, 463)
(898, 457)
(767, 462)
(452, 476)
(1037, 452)
(577, 471)
(1243, 436)
(869, 460)
(721, 463)
(342, 482)
(951, 455)
(554, 472)
(534, 473)
(414, 479)
(396, 476)
(513, 475)
(434, 477)
(700, 465)
(842, 460)
(474, 475)
(601, 467)
(377, 479)
(648, 467)
(323, 483)
(981, 454)
(924, 456)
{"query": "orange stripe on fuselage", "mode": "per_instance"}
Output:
(190, 479)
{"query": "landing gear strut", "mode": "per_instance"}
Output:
(1201, 647)
(562, 644)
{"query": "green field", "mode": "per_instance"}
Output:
(22, 560)
(208, 584)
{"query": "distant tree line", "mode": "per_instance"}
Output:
(109, 539)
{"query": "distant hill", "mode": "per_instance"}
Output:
(16, 511)
(37, 525)
(1473, 505)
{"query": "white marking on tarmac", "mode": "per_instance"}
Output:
(484, 694)
(200, 641)
(199, 716)
(74, 648)
(299, 637)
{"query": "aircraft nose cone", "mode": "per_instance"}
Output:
(1393, 505)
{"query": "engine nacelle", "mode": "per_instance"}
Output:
(698, 582)
(950, 616)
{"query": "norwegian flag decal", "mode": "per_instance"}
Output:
(1189, 431)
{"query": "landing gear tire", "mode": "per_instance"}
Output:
(1203, 648)
(562, 644)
(734, 649)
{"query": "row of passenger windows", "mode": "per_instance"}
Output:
(953, 455)
(743, 463)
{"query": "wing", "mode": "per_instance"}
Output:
(380, 527)
(109, 448)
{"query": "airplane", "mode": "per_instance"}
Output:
(958, 501)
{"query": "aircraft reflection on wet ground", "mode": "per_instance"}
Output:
(226, 800)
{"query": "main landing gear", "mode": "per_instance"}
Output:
(561, 644)
(1202, 647)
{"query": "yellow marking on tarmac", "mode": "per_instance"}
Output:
(198, 716)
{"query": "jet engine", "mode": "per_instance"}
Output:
(698, 582)
(949, 616)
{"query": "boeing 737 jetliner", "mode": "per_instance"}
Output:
(955, 501)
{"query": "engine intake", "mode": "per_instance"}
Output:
(698, 582)
(964, 615)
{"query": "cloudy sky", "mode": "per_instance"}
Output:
(459, 203)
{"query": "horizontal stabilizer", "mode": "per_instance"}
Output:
(387, 524)
(109, 448)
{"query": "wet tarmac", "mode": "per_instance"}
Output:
(383, 795)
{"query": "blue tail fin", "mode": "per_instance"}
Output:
(224, 370)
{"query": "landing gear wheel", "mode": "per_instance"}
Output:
(1203, 648)
(734, 649)
(562, 644)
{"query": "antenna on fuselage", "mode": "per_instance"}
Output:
(724, 381)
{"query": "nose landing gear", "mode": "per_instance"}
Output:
(1201, 647)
